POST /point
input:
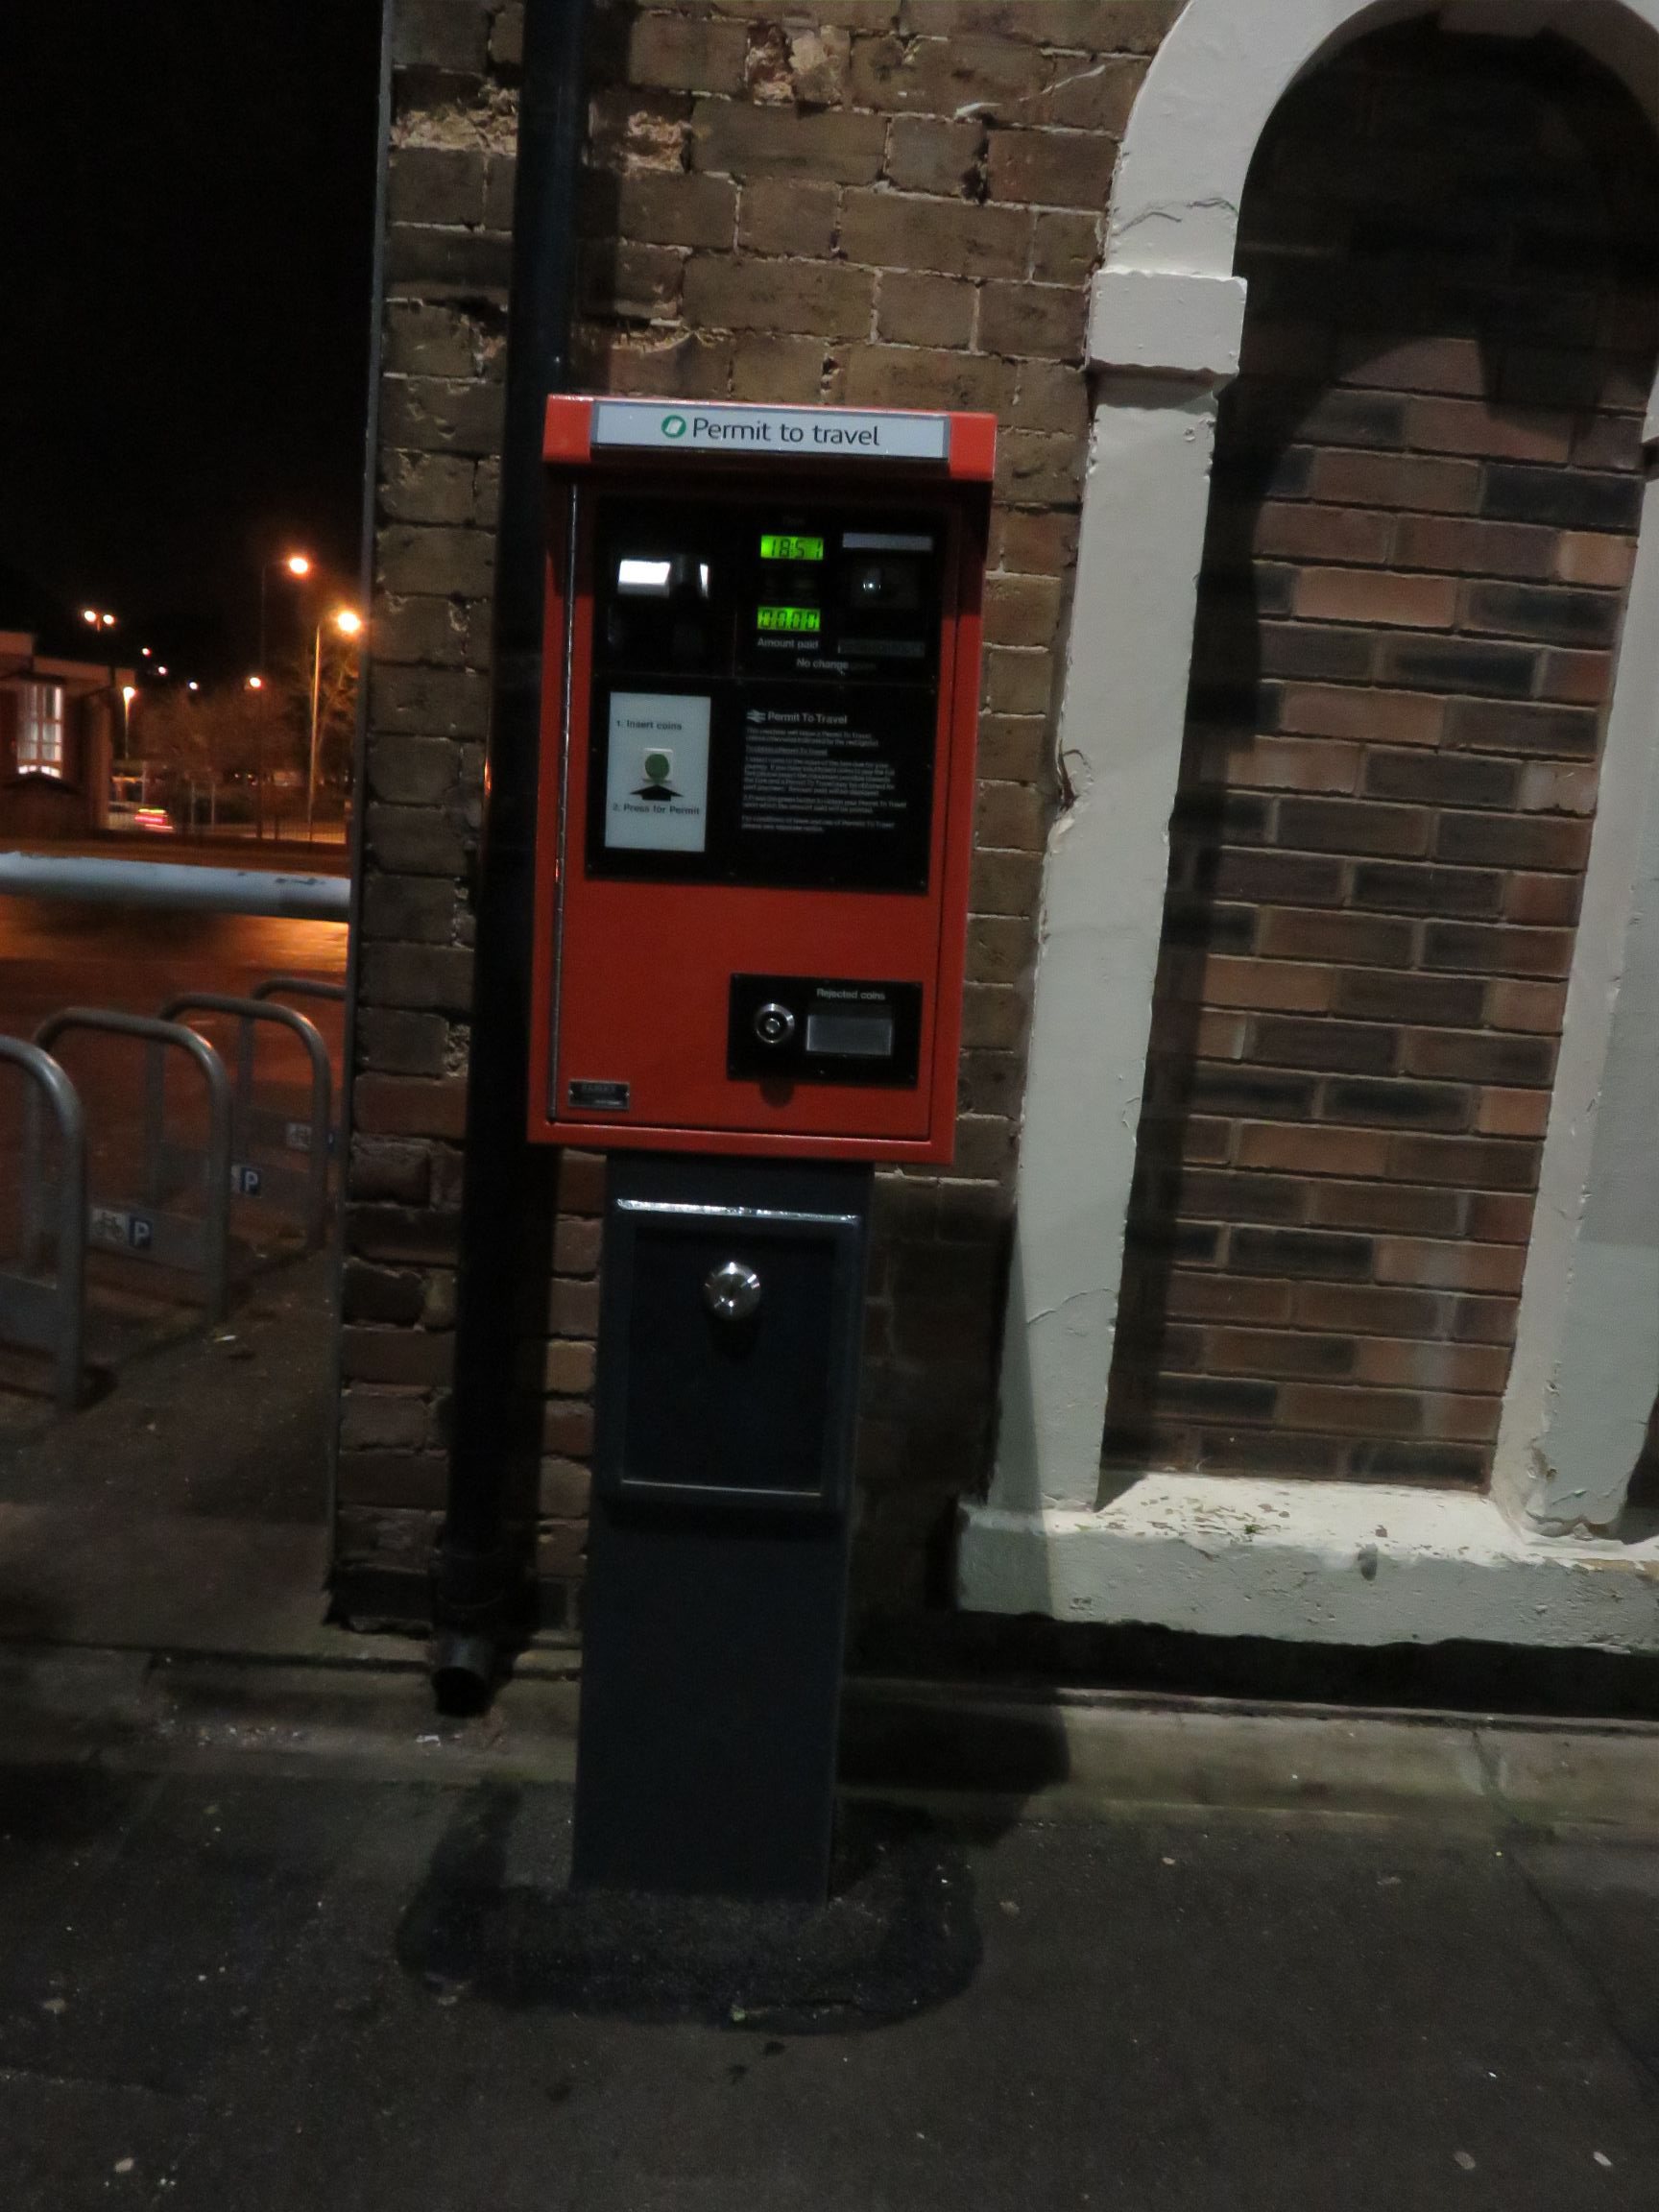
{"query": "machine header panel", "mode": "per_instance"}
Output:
(788, 433)
(582, 433)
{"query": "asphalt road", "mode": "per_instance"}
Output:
(231, 1989)
(59, 953)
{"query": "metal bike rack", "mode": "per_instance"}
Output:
(145, 1230)
(306, 987)
(49, 1316)
(298, 987)
(254, 1128)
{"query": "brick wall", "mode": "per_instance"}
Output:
(444, 328)
(1426, 500)
(864, 203)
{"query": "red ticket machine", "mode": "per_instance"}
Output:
(756, 811)
(762, 666)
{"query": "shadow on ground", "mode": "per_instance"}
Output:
(898, 1936)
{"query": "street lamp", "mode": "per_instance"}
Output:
(298, 567)
(257, 683)
(99, 619)
(349, 624)
(128, 695)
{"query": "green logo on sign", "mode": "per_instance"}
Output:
(673, 426)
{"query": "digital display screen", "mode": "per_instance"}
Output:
(779, 548)
(798, 619)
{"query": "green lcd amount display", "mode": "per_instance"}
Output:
(795, 618)
(778, 548)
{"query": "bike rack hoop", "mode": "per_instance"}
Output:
(246, 1012)
(105, 1022)
(298, 987)
(70, 1320)
(255, 1009)
(141, 1026)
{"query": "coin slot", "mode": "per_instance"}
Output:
(850, 1036)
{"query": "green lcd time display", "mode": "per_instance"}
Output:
(800, 620)
(777, 547)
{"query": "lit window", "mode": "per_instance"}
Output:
(40, 732)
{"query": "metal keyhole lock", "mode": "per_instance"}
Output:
(732, 1292)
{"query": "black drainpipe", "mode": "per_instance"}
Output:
(481, 1584)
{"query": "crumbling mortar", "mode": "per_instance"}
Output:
(487, 124)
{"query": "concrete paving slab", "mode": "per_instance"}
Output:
(172, 1583)
(1064, 1753)
(109, 2141)
(1067, 1757)
(1165, 2018)
(1575, 1776)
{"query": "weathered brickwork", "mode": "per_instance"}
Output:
(1426, 500)
(448, 248)
(864, 203)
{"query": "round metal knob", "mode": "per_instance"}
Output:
(774, 1025)
(731, 1291)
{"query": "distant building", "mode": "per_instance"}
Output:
(59, 722)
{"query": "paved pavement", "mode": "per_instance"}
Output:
(187, 1509)
(240, 1990)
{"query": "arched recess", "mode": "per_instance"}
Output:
(1164, 329)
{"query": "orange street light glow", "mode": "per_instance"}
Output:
(255, 682)
(298, 563)
(348, 622)
(128, 693)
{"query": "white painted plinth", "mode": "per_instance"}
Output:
(1361, 1564)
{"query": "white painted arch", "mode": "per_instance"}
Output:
(1165, 322)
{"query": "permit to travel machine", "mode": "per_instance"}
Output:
(758, 776)
(753, 840)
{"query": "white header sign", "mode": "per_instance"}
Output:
(782, 433)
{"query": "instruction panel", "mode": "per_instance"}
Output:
(766, 703)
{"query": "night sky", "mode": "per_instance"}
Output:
(186, 204)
